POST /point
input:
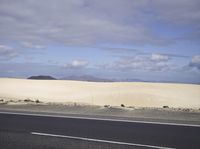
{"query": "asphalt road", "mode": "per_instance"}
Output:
(29, 131)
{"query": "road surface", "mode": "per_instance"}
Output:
(42, 131)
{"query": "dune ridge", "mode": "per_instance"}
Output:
(102, 93)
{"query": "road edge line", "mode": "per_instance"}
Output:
(99, 140)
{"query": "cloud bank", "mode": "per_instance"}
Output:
(91, 22)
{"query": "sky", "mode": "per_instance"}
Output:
(150, 40)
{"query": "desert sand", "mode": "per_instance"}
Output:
(102, 93)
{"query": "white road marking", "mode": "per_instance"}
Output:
(98, 140)
(99, 119)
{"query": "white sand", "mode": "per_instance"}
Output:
(130, 94)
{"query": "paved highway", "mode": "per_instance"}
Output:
(42, 131)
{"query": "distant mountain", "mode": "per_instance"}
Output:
(97, 79)
(41, 77)
(132, 80)
(87, 78)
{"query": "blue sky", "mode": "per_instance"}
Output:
(151, 40)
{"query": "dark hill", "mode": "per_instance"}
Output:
(42, 77)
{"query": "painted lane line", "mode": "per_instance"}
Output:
(99, 119)
(98, 140)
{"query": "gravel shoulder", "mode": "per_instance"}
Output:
(168, 115)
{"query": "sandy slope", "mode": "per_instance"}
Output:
(130, 94)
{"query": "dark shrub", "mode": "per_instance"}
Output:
(165, 106)
(106, 106)
(28, 100)
(122, 105)
(37, 101)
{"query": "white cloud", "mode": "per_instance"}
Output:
(195, 62)
(140, 62)
(159, 57)
(7, 53)
(76, 64)
(196, 59)
(31, 45)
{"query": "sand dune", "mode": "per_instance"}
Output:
(115, 93)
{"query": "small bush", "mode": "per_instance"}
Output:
(186, 110)
(131, 107)
(28, 100)
(37, 101)
(106, 106)
(122, 105)
(165, 106)
(1, 100)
